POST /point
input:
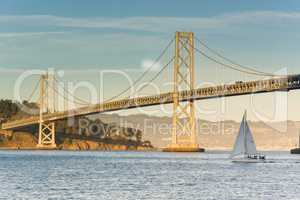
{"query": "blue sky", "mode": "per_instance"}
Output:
(98, 35)
(67, 34)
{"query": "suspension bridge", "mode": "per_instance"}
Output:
(183, 96)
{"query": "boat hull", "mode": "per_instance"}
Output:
(248, 161)
(295, 151)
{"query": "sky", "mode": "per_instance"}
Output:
(83, 38)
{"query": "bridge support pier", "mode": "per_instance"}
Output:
(47, 105)
(184, 135)
(46, 135)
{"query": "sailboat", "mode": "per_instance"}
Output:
(244, 148)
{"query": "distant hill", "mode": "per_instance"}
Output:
(212, 135)
(82, 134)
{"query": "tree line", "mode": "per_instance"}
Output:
(12, 109)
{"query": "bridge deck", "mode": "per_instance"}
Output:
(241, 88)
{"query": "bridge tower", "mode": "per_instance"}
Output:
(47, 105)
(184, 136)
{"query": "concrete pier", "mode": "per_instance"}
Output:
(183, 148)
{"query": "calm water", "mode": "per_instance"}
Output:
(137, 175)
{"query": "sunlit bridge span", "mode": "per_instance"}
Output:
(184, 137)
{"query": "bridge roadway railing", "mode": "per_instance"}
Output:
(285, 83)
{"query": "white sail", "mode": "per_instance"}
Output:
(239, 146)
(244, 144)
(250, 144)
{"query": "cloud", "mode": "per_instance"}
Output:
(132, 23)
(51, 41)
(24, 34)
(151, 65)
(8, 70)
(260, 17)
(157, 24)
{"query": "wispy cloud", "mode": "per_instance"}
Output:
(51, 41)
(158, 24)
(150, 65)
(7, 70)
(24, 34)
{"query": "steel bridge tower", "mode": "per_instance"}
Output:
(47, 105)
(184, 135)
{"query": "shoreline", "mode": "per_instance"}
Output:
(129, 150)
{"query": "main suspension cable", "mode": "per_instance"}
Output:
(144, 73)
(253, 71)
(34, 90)
(156, 75)
(82, 102)
(66, 99)
(228, 66)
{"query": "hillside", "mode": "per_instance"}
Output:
(80, 134)
(213, 135)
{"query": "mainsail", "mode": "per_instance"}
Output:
(244, 144)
